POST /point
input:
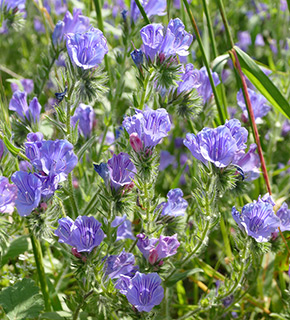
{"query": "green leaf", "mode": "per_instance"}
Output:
(263, 83)
(219, 63)
(17, 246)
(22, 301)
(181, 276)
(175, 182)
(13, 150)
(86, 146)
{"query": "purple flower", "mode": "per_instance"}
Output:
(258, 102)
(118, 173)
(258, 219)
(283, 5)
(8, 193)
(198, 79)
(245, 41)
(144, 291)
(175, 205)
(70, 24)
(29, 192)
(239, 133)
(284, 215)
(124, 230)
(85, 115)
(151, 8)
(259, 40)
(249, 162)
(166, 159)
(155, 250)
(27, 85)
(176, 40)
(285, 128)
(152, 37)
(52, 158)
(25, 166)
(121, 264)
(87, 50)
(137, 57)
(18, 103)
(11, 4)
(84, 233)
(150, 125)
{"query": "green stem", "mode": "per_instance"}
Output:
(102, 144)
(222, 118)
(225, 234)
(144, 15)
(40, 270)
(144, 92)
(77, 311)
(226, 24)
(91, 203)
(210, 29)
(101, 27)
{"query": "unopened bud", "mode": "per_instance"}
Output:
(137, 57)
(75, 252)
(136, 142)
(153, 256)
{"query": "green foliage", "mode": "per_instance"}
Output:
(22, 301)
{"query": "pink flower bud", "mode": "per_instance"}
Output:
(75, 252)
(153, 256)
(43, 206)
(136, 142)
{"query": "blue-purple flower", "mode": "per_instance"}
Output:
(118, 173)
(29, 192)
(124, 230)
(27, 85)
(245, 41)
(249, 162)
(154, 249)
(8, 193)
(151, 8)
(258, 102)
(258, 218)
(219, 145)
(76, 23)
(150, 125)
(175, 41)
(85, 115)
(84, 233)
(198, 79)
(87, 50)
(166, 159)
(137, 57)
(121, 264)
(145, 291)
(175, 205)
(284, 215)
(18, 103)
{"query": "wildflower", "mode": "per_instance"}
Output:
(160, 248)
(26, 84)
(29, 192)
(87, 50)
(8, 193)
(118, 173)
(249, 162)
(175, 41)
(121, 264)
(76, 23)
(259, 40)
(18, 103)
(175, 205)
(258, 102)
(166, 159)
(258, 219)
(84, 233)
(198, 79)
(150, 125)
(218, 145)
(137, 57)
(245, 41)
(124, 230)
(284, 215)
(151, 8)
(85, 115)
(145, 291)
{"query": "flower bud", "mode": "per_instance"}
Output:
(136, 142)
(75, 252)
(137, 57)
(153, 256)
(57, 33)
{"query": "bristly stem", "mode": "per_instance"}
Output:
(144, 15)
(40, 270)
(77, 311)
(222, 118)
